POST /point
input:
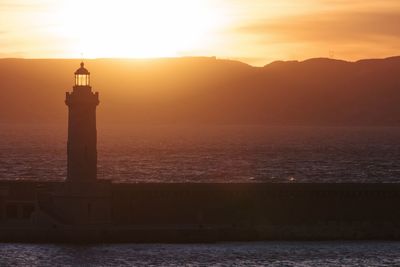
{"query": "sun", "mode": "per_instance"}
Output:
(139, 29)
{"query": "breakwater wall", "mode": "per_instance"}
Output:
(198, 212)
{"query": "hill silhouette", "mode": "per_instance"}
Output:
(207, 90)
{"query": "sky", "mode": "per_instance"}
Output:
(253, 31)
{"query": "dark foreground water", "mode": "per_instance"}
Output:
(224, 254)
(210, 154)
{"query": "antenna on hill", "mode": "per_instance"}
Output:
(331, 54)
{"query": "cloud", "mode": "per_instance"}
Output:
(329, 27)
(28, 6)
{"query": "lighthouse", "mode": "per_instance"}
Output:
(82, 199)
(82, 133)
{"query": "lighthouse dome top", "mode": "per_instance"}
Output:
(82, 70)
(82, 76)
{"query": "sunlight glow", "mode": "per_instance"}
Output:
(136, 28)
(255, 32)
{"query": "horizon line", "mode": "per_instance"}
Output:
(237, 59)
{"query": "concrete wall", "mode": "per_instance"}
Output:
(186, 212)
(237, 204)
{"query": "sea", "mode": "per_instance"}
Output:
(323, 254)
(143, 153)
(204, 153)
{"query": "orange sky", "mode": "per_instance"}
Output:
(253, 31)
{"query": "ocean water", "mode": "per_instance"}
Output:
(210, 153)
(220, 254)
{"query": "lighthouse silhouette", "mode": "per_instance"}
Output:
(82, 133)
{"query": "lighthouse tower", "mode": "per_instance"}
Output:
(82, 199)
(82, 133)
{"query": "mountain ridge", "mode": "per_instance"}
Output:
(318, 91)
